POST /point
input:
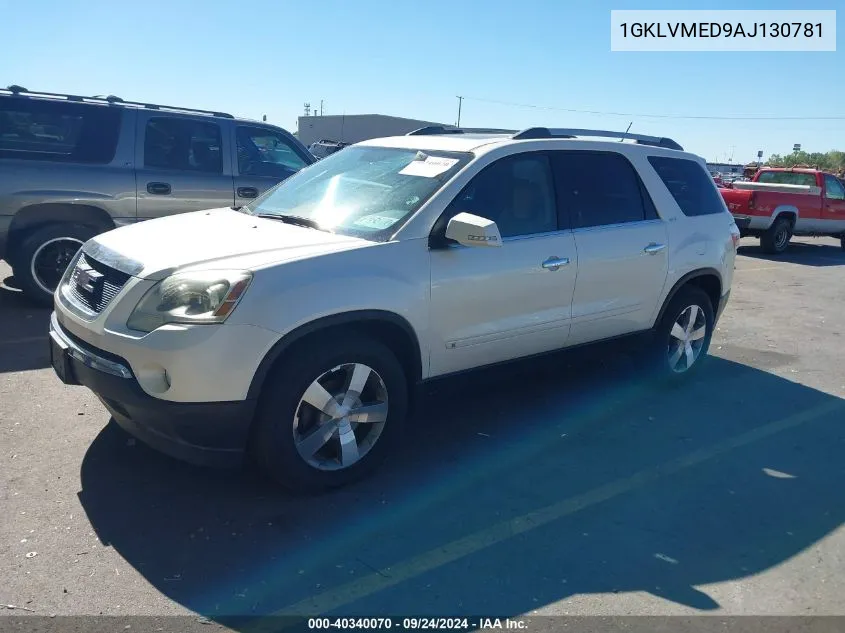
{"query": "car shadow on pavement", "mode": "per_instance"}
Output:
(802, 253)
(23, 331)
(579, 477)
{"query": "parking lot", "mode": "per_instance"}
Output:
(573, 488)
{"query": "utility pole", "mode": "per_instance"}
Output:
(460, 101)
(321, 107)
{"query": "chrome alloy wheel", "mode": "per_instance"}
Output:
(340, 416)
(686, 338)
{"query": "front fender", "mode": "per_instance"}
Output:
(389, 279)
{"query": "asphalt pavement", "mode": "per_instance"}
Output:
(572, 487)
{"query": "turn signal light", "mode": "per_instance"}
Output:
(232, 299)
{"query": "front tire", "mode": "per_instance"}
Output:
(330, 412)
(43, 257)
(775, 239)
(682, 338)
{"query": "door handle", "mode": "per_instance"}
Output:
(247, 192)
(654, 248)
(553, 263)
(158, 188)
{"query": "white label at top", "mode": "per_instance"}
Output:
(429, 168)
(723, 30)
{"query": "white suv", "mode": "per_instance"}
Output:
(297, 328)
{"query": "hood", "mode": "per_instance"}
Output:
(216, 238)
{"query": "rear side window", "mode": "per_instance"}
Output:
(599, 189)
(34, 129)
(833, 188)
(787, 178)
(183, 144)
(690, 185)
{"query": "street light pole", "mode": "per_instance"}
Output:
(460, 101)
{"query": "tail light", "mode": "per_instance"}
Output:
(752, 201)
(735, 236)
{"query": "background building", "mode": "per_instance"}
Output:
(726, 168)
(352, 128)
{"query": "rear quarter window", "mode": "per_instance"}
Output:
(690, 185)
(35, 129)
(787, 178)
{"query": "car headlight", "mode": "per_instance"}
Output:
(192, 297)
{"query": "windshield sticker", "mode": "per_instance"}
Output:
(375, 221)
(429, 168)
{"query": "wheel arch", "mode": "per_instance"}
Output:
(35, 216)
(708, 279)
(388, 327)
(788, 210)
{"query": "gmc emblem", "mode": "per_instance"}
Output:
(88, 279)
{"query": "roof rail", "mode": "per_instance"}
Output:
(431, 130)
(19, 91)
(641, 139)
(545, 132)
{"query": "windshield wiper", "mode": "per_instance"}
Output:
(292, 219)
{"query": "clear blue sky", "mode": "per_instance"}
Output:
(412, 58)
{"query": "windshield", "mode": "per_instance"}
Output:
(787, 178)
(363, 191)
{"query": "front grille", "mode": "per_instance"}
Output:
(95, 295)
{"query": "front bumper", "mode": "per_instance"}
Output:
(204, 433)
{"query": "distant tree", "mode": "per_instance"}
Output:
(829, 161)
(838, 159)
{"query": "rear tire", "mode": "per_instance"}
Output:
(775, 240)
(43, 257)
(286, 421)
(682, 338)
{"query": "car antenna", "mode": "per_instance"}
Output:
(627, 130)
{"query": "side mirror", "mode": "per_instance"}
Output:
(473, 230)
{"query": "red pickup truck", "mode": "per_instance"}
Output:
(781, 202)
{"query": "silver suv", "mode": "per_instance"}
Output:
(297, 330)
(72, 167)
